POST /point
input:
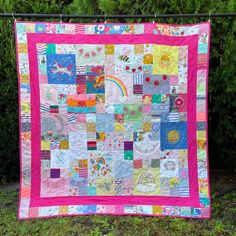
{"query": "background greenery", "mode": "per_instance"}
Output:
(222, 81)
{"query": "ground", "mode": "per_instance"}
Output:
(223, 221)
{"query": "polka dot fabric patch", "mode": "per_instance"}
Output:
(113, 119)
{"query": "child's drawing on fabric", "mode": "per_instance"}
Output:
(61, 68)
(113, 119)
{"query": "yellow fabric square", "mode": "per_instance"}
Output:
(146, 181)
(45, 145)
(24, 79)
(91, 127)
(100, 136)
(109, 49)
(138, 48)
(157, 210)
(148, 59)
(147, 127)
(165, 59)
(64, 144)
(25, 107)
(119, 127)
(105, 187)
(30, 28)
(22, 48)
(201, 135)
(63, 209)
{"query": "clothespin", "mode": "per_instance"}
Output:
(209, 18)
(13, 16)
(60, 18)
(105, 19)
(155, 16)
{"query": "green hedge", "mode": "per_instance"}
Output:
(222, 81)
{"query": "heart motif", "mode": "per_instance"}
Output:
(93, 54)
(81, 50)
(127, 67)
(99, 49)
(86, 54)
(133, 70)
(140, 67)
(164, 77)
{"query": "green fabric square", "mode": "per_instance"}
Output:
(128, 155)
(119, 108)
(155, 163)
(133, 113)
(156, 98)
(51, 49)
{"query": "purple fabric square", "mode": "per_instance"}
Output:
(80, 79)
(55, 173)
(45, 155)
(138, 88)
(128, 145)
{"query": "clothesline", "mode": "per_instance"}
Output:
(66, 16)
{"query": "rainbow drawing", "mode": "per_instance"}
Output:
(119, 83)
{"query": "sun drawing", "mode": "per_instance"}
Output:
(173, 136)
(165, 59)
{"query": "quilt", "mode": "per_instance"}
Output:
(113, 119)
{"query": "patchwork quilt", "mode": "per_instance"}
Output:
(113, 119)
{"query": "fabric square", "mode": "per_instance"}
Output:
(61, 69)
(128, 155)
(146, 181)
(138, 164)
(178, 102)
(155, 84)
(128, 145)
(119, 118)
(105, 122)
(95, 79)
(174, 135)
(55, 173)
(133, 113)
(92, 145)
(114, 141)
(166, 58)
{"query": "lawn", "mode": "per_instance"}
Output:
(223, 220)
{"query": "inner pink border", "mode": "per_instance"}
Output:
(191, 42)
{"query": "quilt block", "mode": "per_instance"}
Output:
(113, 119)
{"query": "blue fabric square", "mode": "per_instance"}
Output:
(40, 28)
(124, 169)
(105, 122)
(61, 69)
(91, 208)
(174, 135)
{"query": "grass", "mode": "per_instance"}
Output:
(222, 222)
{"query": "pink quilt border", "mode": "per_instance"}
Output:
(191, 41)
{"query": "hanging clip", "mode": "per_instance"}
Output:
(209, 18)
(155, 16)
(13, 16)
(105, 19)
(60, 18)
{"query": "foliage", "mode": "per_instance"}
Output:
(222, 84)
(222, 221)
